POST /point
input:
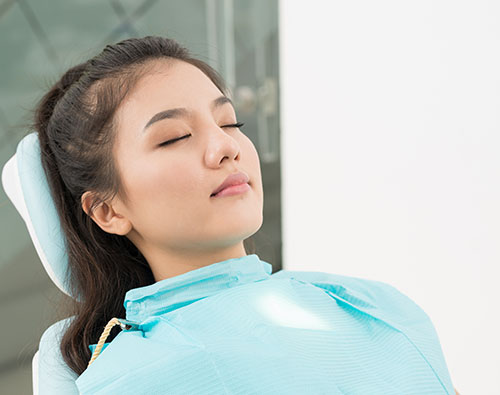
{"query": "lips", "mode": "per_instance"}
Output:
(232, 179)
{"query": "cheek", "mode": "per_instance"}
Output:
(159, 182)
(174, 185)
(251, 148)
(252, 160)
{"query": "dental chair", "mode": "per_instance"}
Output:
(25, 184)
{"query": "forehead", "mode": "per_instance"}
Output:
(171, 84)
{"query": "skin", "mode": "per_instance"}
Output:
(169, 215)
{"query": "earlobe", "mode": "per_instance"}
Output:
(110, 221)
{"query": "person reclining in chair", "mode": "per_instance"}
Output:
(157, 188)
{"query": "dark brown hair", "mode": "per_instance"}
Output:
(76, 129)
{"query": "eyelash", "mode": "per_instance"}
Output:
(234, 125)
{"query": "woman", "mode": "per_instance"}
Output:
(157, 189)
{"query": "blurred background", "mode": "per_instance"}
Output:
(40, 40)
(378, 130)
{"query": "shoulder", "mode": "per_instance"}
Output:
(54, 376)
(362, 293)
(372, 289)
(383, 302)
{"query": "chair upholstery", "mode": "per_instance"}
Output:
(25, 184)
(51, 373)
(34, 367)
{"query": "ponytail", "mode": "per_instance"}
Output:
(48, 102)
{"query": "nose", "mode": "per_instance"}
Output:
(221, 145)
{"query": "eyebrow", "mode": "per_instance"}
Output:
(183, 112)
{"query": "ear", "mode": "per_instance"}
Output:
(106, 217)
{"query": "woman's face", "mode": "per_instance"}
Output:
(170, 215)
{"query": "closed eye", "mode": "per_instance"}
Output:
(173, 140)
(233, 125)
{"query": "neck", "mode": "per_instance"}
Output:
(166, 264)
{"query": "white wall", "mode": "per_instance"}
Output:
(390, 154)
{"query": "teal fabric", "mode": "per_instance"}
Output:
(93, 346)
(54, 375)
(42, 216)
(232, 327)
